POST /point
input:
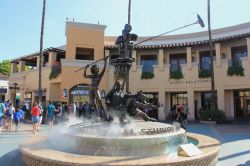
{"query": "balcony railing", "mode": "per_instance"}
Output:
(147, 72)
(204, 70)
(56, 70)
(235, 68)
(175, 71)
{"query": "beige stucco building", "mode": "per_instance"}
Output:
(169, 69)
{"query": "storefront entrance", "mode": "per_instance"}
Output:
(153, 99)
(79, 93)
(206, 100)
(178, 98)
(242, 104)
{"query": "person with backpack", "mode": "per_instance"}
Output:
(9, 114)
(2, 110)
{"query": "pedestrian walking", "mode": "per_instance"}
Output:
(22, 114)
(35, 111)
(17, 116)
(2, 110)
(180, 116)
(58, 113)
(186, 112)
(40, 115)
(50, 114)
(9, 114)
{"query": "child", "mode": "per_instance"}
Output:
(21, 116)
(17, 116)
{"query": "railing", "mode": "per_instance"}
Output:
(204, 70)
(175, 71)
(235, 68)
(147, 72)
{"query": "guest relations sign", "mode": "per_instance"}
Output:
(199, 81)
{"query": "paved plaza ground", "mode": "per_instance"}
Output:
(235, 140)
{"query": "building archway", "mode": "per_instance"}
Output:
(79, 93)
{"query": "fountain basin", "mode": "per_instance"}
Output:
(118, 145)
(37, 156)
(137, 139)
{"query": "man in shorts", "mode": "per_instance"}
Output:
(35, 117)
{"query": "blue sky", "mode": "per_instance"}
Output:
(21, 19)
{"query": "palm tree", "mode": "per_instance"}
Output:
(41, 55)
(211, 56)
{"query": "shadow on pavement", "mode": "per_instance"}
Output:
(245, 164)
(13, 158)
(234, 155)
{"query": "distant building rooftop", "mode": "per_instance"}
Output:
(167, 41)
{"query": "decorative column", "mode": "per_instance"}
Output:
(160, 59)
(13, 68)
(167, 58)
(21, 66)
(134, 64)
(189, 58)
(190, 95)
(248, 48)
(161, 100)
(221, 98)
(52, 58)
(218, 54)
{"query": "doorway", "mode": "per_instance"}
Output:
(242, 104)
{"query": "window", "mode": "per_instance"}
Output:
(176, 60)
(205, 60)
(147, 62)
(84, 53)
(238, 52)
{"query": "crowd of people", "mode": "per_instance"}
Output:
(59, 112)
(53, 112)
(10, 114)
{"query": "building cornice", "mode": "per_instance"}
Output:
(78, 63)
(191, 39)
(97, 27)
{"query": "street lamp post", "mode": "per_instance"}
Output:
(213, 105)
(40, 55)
(14, 100)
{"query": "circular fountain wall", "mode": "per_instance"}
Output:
(137, 143)
(114, 139)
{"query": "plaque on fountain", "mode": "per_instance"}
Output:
(189, 150)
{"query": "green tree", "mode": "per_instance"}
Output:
(5, 67)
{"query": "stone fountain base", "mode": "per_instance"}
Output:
(33, 156)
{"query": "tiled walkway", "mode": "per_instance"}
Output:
(235, 141)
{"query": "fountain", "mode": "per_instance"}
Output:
(116, 136)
